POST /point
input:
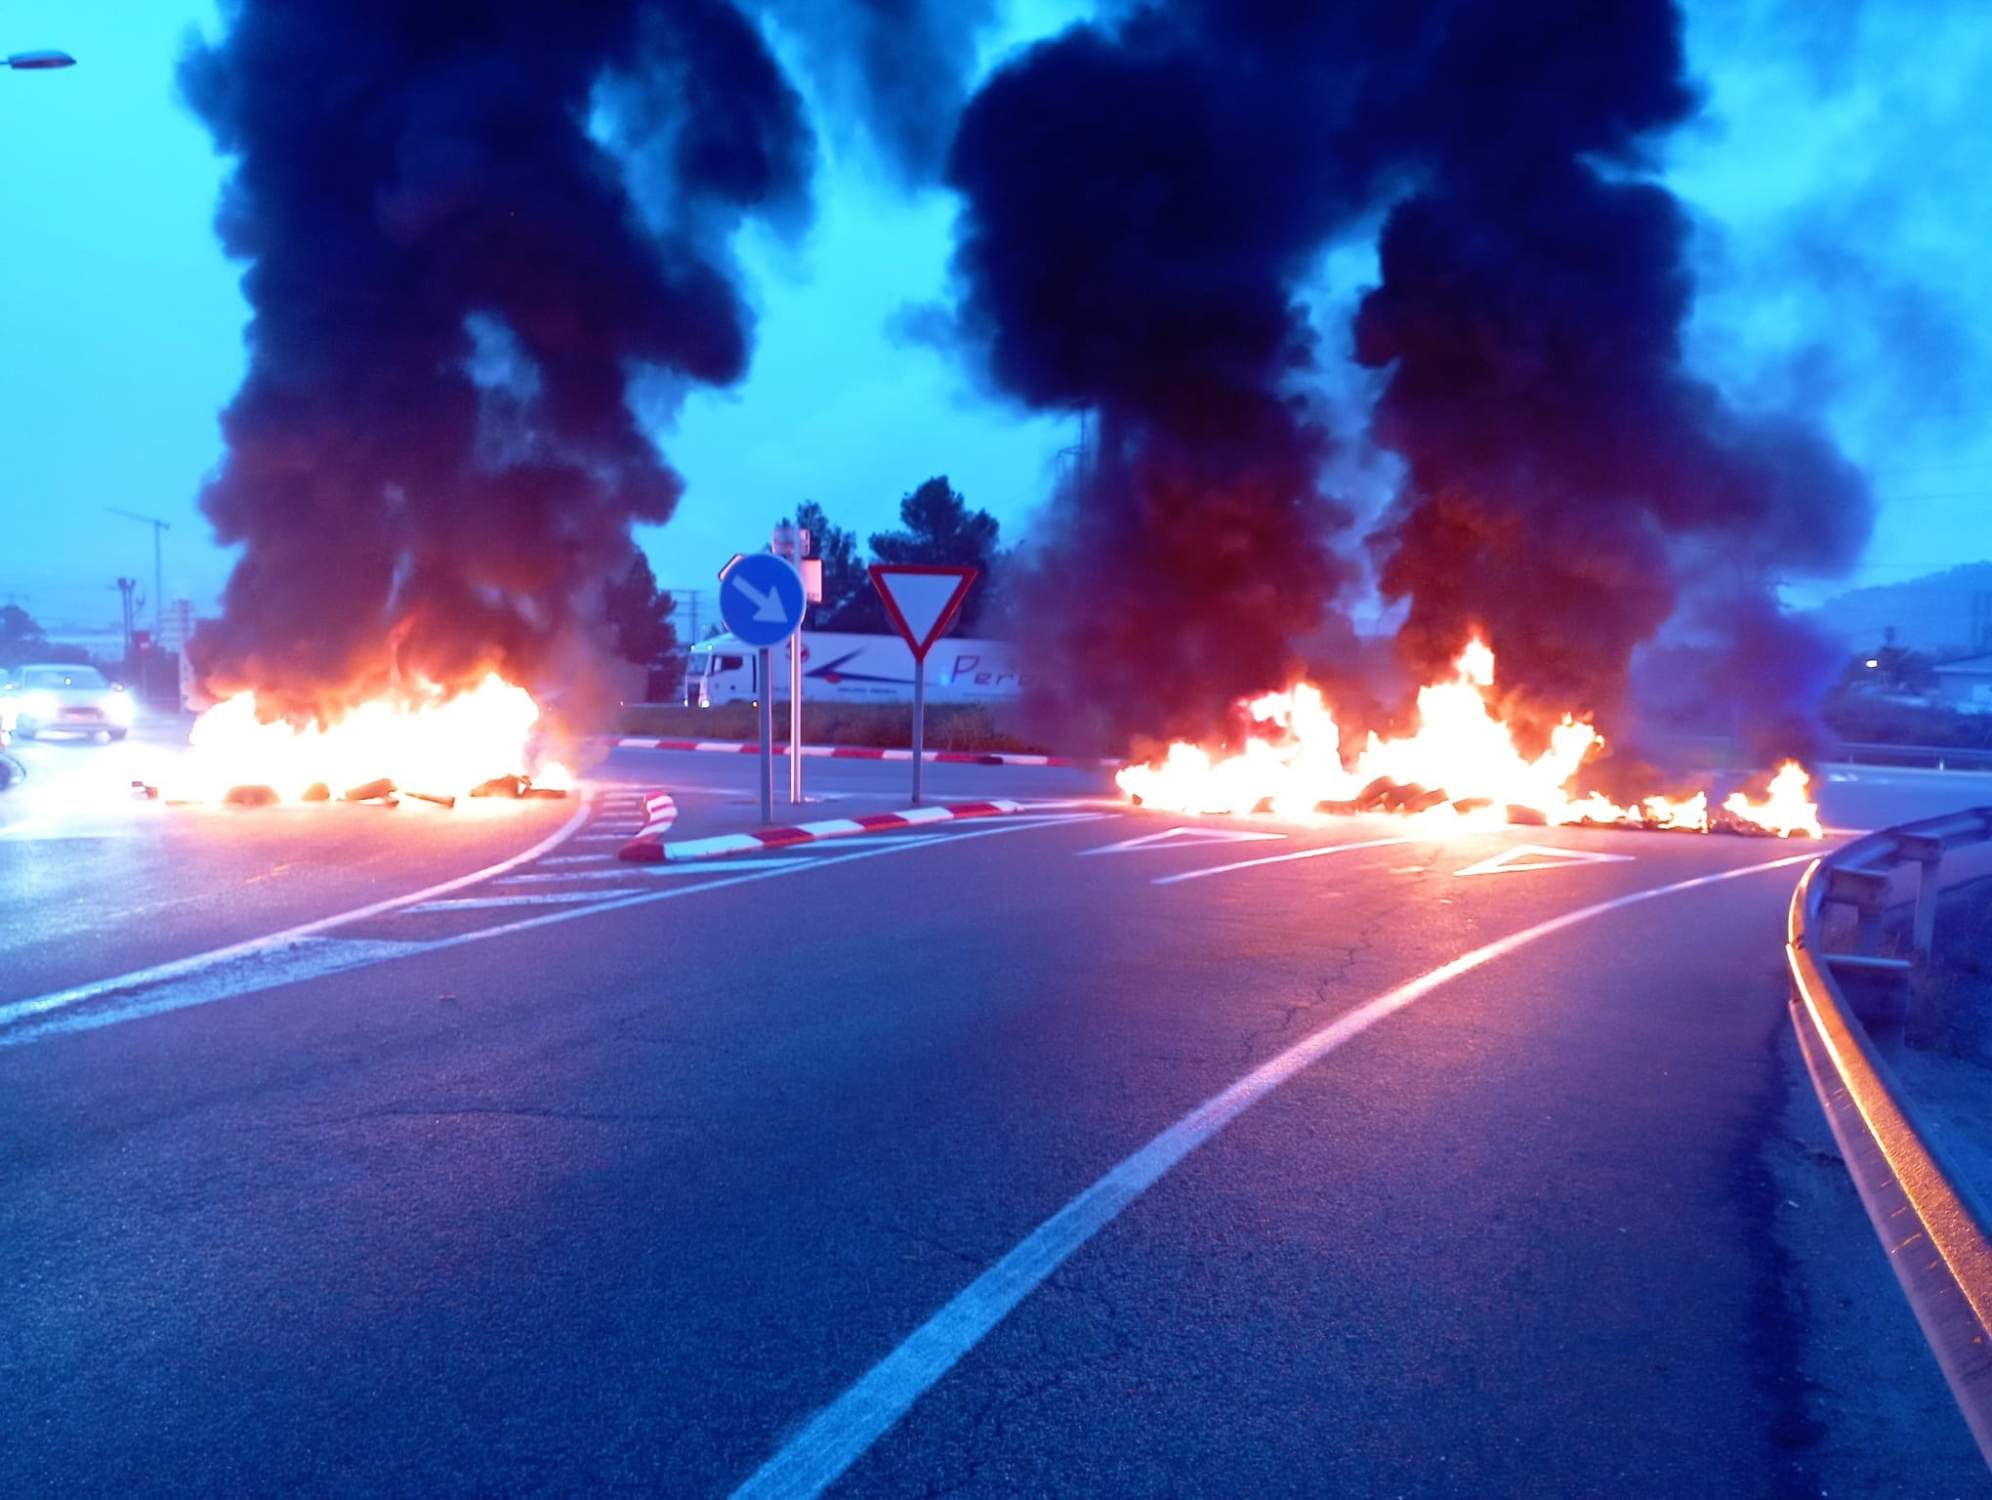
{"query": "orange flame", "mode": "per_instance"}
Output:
(1462, 761)
(424, 739)
(1785, 808)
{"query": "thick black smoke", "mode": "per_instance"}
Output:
(432, 465)
(899, 68)
(1569, 482)
(1145, 199)
(1141, 201)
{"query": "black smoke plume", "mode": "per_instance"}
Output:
(1141, 200)
(1146, 197)
(898, 68)
(1570, 484)
(432, 463)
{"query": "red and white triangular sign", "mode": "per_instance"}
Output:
(921, 600)
(1188, 835)
(1538, 857)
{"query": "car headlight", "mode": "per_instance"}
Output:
(40, 705)
(119, 708)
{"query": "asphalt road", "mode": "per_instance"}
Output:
(583, 1177)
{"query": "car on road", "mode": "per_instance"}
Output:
(64, 698)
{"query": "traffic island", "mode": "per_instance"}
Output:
(652, 848)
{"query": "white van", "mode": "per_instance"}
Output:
(839, 668)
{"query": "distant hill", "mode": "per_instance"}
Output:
(1942, 614)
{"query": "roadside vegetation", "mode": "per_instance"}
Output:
(886, 726)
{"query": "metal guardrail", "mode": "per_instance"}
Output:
(1940, 757)
(1848, 1010)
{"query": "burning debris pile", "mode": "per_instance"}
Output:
(479, 238)
(1150, 199)
(1460, 765)
(420, 742)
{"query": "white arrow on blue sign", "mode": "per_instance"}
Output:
(761, 599)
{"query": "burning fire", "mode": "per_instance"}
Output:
(1461, 764)
(424, 742)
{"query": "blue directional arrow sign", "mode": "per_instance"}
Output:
(761, 599)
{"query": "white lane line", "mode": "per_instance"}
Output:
(819, 862)
(145, 1002)
(1520, 859)
(261, 968)
(838, 1435)
(1176, 838)
(634, 871)
(1280, 859)
(180, 967)
(617, 870)
(537, 898)
(604, 838)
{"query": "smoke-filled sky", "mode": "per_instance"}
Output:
(1838, 237)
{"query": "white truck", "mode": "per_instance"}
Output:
(840, 668)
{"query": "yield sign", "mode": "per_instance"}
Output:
(921, 600)
(1538, 857)
(1189, 835)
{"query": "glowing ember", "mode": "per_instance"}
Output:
(426, 741)
(1461, 764)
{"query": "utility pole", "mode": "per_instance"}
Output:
(689, 599)
(125, 588)
(159, 529)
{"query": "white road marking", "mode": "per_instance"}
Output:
(622, 871)
(575, 859)
(604, 838)
(838, 1435)
(1188, 834)
(141, 989)
(1280, 859)
(1539, 857)
(180, 967)
(537, 898)
(259, 968)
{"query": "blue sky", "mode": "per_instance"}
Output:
(1835, 171)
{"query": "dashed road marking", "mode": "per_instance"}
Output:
(537, 898)
(632, 871)
(222, 974)
(176, 969)
(1523, 857)
(1191, 833)
(1280, 859)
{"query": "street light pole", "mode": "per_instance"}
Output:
(159, 529)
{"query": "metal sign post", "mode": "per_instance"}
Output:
(919, 723)
(921, 601)
(791, 541)
(767, 776)
(761, 600)
(795, 718)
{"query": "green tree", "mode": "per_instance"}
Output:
(844, 577)
(640, 613)
(939, 528)
(21, 639)
(936, 526)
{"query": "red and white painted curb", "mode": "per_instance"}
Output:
(660, 811)
(862, 752)
(649, 848)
